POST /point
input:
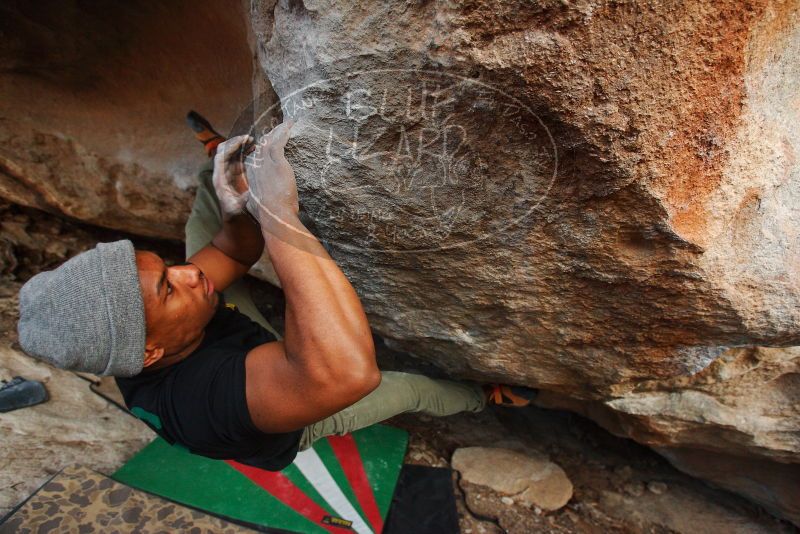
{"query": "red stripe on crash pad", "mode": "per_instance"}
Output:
(280, 487)
(346, 451)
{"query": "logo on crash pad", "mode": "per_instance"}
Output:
(337, 522)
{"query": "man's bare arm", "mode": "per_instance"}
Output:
(327, 359)
(231, 253)
(239, 243)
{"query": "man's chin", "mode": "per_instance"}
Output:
(212, 305)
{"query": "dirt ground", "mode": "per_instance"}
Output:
(619, 486)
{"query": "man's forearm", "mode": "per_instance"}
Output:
(327, 330)
(240, 239)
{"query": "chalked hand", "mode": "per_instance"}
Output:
(271, 179)
(230, 180)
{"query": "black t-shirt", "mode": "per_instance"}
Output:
(200, 402)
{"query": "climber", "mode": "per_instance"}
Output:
(193, 357)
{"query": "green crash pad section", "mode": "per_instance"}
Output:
(217, 487)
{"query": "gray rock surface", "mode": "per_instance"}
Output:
(597, 200)
(678, 512)
(427, 142)
(528, 479)
(736, 423)
(74, 426)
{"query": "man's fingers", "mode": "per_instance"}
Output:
(237, 143)
(280, 135)
(230, 156)
(274, 135)
(239, 140)
(228, 149)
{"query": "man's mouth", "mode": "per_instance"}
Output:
(209, 286)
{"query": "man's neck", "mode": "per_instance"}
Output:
(174, 358)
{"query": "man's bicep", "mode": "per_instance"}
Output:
(220, 268)
(283, 397)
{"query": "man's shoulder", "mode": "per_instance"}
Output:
(229, 334)
(199, 401)
(230, 321)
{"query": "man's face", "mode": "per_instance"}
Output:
(177, 304)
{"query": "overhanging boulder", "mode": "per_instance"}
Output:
(599, 200)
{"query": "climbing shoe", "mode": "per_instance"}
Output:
(20, 392)
(204, 132)
(504, 395)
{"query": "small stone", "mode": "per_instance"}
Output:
(508, 501)
(533, 480)
(624, 471)
(635, 489)
(572, 516)
(657, 487)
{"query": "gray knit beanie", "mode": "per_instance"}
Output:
(88, 314)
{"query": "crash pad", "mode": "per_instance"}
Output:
(342, 482)
(423, 502)
(78, 499)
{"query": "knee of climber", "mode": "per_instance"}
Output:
(341, 423)
(421, 394)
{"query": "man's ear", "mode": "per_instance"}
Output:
(152, 353)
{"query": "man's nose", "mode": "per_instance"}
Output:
(189, 273)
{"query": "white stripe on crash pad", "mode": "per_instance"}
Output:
(310, 464)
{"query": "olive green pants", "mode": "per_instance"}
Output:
(397, 393)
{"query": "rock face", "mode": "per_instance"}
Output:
(594, 199)
(93, 99)
(581, 200)
(529, 480)
(74, 425)
(736, 423)
(599, 200)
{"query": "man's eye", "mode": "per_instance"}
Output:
(169, 288)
